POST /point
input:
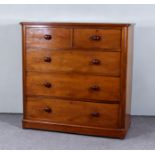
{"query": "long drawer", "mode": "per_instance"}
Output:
(72, 112)
(77, 61)
(73, 86)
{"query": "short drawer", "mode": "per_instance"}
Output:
(91, 62)
(100, 115)
(49, 38)
(73, 86)
(97, 38)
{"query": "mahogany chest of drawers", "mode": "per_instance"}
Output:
(77, 77)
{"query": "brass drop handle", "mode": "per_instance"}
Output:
(47, 109)
(47, 84)
(47, 59)
(47, 37)
(95, 88)
(95, 114)
(96, 62)
(95, 38)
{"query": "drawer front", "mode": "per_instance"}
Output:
(49, 38)
(73, 86)
(92, 62)
(97, 38)
(73, 112)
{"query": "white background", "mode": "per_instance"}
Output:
(143, 94)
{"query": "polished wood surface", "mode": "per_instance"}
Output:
(73, 86)
(97, 38)
(75, 25)
(72, 112)
(77, 77)
(51, 38)
(74, 61)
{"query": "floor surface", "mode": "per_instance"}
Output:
(140, 136)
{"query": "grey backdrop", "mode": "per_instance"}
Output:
(143, 100)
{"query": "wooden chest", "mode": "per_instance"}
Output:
(77, 77)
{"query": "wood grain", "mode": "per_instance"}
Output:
(73, 86)
(109, 38)
(74, 61)
(73, 112)
(75, 25)
(60, 38)
(77, 77)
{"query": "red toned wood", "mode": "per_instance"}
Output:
(72, 112)
(73, 86)
(97, 38)
(74, 81)
(74, 61)
(77, 24)
(51, 38)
